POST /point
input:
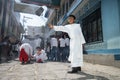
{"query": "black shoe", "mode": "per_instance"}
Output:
(79, 68)
(74, 70)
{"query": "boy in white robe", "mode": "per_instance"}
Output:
(76, 41)
(40, 56)
(25, 53)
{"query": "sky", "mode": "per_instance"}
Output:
(32, 19)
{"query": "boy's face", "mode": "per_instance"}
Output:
(71, 20)
(38, 51)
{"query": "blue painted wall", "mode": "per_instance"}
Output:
(110, 12)
(119, 12)
(110, 19)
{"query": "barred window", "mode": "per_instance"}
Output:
(0, 6)
(92, 27)
(71, 1)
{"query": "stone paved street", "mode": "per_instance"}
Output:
(13, 70)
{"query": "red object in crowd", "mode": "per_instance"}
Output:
(39, 61)
(23, 56)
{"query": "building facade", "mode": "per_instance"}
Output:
(10, 27)
(100, 22)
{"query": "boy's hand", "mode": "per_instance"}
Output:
(50, 26)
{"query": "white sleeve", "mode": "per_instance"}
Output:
(34, 55)
(61, 28)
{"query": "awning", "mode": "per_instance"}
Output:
(48, 3)
(35, 6)
(27, 8)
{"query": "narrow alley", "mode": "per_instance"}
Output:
(39, 39)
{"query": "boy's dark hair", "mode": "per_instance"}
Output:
(72, 16)
(38, 48)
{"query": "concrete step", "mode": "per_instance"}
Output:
(103, 59)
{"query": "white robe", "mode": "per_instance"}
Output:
(76, 40)
(28, 48)
(42, 56)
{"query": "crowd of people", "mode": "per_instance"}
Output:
(57, 49)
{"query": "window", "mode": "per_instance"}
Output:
(63, 9)
(0, 6)
(92, 27)
(71, 1)
(67, 6)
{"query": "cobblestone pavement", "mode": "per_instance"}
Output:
(13, 70)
